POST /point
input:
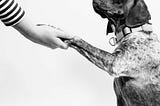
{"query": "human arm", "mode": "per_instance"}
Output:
(42, 34)
(11, 14)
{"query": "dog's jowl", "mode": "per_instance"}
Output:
(135, 63)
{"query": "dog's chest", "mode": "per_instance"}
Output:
(130, 95)
(138, 56)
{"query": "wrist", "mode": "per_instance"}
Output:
(30, 30)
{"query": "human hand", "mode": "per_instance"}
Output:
(43, 34)
(53, 37)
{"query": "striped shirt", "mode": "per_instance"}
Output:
(10, 12)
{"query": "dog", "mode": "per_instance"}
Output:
(135, 63)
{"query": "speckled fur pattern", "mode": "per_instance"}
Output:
(138, 56)
(137, 65)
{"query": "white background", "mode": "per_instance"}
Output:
(33, 75)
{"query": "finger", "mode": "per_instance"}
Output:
(59, 43)
(62, 34)
(76, 38)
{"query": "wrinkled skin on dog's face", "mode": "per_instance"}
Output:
(122, 13)
(109, 8)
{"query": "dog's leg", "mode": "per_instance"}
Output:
(119, 85)
(117, 88)
(99, 57)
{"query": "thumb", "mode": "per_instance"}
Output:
(60, 44)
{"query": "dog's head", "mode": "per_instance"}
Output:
(122, 13)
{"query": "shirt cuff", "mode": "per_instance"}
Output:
(10, 12)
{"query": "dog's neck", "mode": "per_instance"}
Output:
(126, 31)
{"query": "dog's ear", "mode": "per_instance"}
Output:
(109, 28)
(137, 13)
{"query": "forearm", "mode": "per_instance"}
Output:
(11, 14)
(100, 58)
(29, 29)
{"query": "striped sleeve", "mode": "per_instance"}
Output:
(10, 12)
